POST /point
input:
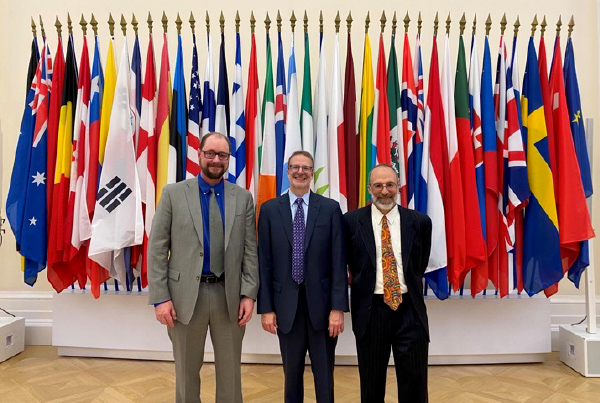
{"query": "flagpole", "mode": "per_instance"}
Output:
(590, 281)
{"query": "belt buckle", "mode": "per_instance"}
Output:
(210, 278)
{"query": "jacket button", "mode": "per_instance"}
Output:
(201, 254)
(198, 278)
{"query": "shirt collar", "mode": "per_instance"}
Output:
(293, 197)
(392, 215)
(205, 187)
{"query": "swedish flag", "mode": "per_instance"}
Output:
(542, 264)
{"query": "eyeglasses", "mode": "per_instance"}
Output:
(223, 156)
(379, 186)
(296, 168)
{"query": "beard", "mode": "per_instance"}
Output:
(384, 202)
(211, 174)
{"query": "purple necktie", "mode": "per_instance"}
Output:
(298, 244)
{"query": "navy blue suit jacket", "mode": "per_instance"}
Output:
(325, 256)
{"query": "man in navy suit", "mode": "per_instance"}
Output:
(388, 251)
(303, 291)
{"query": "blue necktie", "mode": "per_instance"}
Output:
(298, 244)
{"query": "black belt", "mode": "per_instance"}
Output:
(211, 278)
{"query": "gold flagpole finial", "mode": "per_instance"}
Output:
(33, 30)
(305, 22)
(367, 22)
(419, 24)
(237, 22)
(178, 23)
(463, 24)
(474, 25)
(69, 24)
(503, 23)
(278, 19)
(571, 25)
(123, 25)
(293, 21)
(517, 25)
(488, 25)
(337, 23)
(321, 22)
(222, 22)
(58, 26)
(134, 23)
(83, 24)
(94, 25)
(406, 22)
(436, 22)
(534, 25)
(349, 22)
(394, 23)
(207, 23)
(383, 20)
(149, 21)
(111, 25)
(252, 22)
(448, 21)
(558, 26)
(42, 28)
(192, 22)
(543, 26)
(267, 23)
(165, 22)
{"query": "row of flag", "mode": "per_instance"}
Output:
(503, 174)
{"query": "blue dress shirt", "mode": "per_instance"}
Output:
(204, 206)
(294, 206)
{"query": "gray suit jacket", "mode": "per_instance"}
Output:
(175, 251)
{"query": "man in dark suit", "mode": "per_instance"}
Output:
(388, 250)
(303, 291)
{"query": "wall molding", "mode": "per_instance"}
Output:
(36, 308)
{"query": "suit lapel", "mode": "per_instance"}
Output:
(314, 204)
(230, 202)
(192, 194)
(367, 233)
(286, 216)
(407, 233)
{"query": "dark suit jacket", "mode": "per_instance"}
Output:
(415, 230)
(326, 277)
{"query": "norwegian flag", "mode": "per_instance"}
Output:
(410, 110)
(420, 194)
(193, 165)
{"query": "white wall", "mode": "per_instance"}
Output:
(15, 39)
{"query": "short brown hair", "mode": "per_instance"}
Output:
(207, 135)
(383, 166)
(303, 153)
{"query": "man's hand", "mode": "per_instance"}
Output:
(245, 312)
(336, 323)
(165, 313)
(269, 322)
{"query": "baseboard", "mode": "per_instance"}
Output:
(36, 308)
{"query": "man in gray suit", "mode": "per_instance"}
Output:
(203, 271)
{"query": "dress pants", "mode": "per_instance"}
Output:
(188, 348)
(402, 332)
(321, 350)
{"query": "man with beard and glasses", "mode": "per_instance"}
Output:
(388, 251)
(303, 280)
(203, 271)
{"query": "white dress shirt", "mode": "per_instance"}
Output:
(393, 219)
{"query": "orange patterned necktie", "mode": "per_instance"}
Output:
(391, 285)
